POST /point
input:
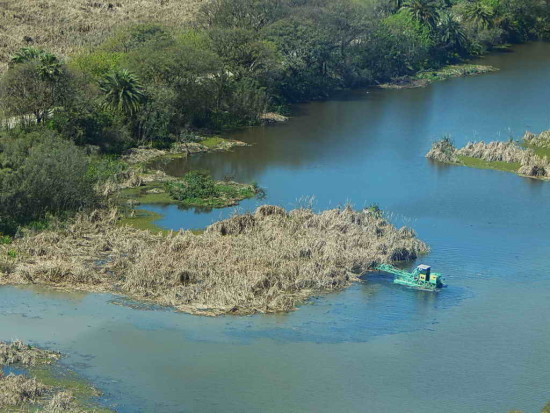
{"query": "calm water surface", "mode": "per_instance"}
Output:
(481, 345)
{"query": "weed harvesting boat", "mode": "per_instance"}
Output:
(422, 278)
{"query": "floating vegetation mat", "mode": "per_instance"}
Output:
(268, 261)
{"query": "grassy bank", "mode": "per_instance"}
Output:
(268, 261)
(37, 386)
(424, 78)
(529, 157)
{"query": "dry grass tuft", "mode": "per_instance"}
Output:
(542, 140)
(16, 390)
(23, 354)
(63, 26)
(263, 262)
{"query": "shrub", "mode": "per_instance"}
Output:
(195, 184)
(52, 180)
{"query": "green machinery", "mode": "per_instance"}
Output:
(421, 278)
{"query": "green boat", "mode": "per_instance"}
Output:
(422, 278)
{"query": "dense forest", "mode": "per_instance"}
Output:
(238, 59)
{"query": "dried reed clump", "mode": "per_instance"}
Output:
(542, 140)
(443, 151)
(16, 390)
(536, 169)
(64, 401)
(23, 354)
(64, 26)
(496, 151)
(263, 262)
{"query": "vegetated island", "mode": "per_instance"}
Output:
(268, 261)
(28, 383)
(425, 77)
(530, 157)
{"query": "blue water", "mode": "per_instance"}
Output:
(480, 345)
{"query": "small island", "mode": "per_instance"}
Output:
(529, 157)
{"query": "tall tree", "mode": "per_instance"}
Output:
(425, 11)
(123, 92)
(451, 33)
(479, 13)
(36, 83)
(49, 66)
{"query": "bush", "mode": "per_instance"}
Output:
(51, 180)
(196, 184)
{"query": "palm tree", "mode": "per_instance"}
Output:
(479, 13)
(451, 33)
(425, 11)
(49, 66)
(26, 54)
(123, 92)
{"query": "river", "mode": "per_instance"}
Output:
(480, 345)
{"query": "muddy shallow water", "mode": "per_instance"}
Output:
(480, 345)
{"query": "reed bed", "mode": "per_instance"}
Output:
(64, 26)
(268, 261)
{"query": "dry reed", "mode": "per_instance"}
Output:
(19, 353)
(268, 261)
(16, 390)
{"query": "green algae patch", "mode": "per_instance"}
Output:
(453, 71)
(482, 164)
(195, 189)
(213, 142)
(424, 78)
(144, 220)
(150, 193)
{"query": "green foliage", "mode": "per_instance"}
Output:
(195, 184)
(47, 176)
(241, 58)
(96, 63)
(123, 93)
(424, 11)
(35, 84)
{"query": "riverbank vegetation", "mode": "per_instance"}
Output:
(31, 385)
(227, 63)
(268, 261)
(529, 157)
